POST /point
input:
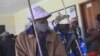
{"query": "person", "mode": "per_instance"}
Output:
(65, 35)
(7, 44)
(79, 38)
(1, 54)
(26, 44)
(97, 29)
(94, 49)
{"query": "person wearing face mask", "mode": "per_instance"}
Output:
(26, 44)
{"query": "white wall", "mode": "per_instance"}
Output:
(9, 23)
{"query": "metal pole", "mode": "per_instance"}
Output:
(33, 23)
(66, 12)
(71, 27)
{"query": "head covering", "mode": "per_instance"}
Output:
(38, 13)
(62, 19)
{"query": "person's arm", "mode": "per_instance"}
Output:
(59, 48)
(19, 48)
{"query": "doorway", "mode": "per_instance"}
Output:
(89, 10)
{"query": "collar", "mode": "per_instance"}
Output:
(30, 30)
(31, 33)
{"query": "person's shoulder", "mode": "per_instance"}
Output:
(21, 35)
(52, 32)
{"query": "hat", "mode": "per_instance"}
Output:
(38, 13)
(62, 19)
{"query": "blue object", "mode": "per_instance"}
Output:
(73, 52)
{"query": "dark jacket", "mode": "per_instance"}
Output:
(7, 46)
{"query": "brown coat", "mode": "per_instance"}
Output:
(26, 45)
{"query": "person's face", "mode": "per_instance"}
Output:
(63, 28)
(42, 24)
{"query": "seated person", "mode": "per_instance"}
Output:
(94, 49)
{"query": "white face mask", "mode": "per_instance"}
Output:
(42, 27)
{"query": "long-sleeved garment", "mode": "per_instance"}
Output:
(26, 44)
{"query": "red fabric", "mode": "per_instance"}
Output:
(98, 52)
(94, 53)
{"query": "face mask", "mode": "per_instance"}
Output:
(42, 27)
(63, 28)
